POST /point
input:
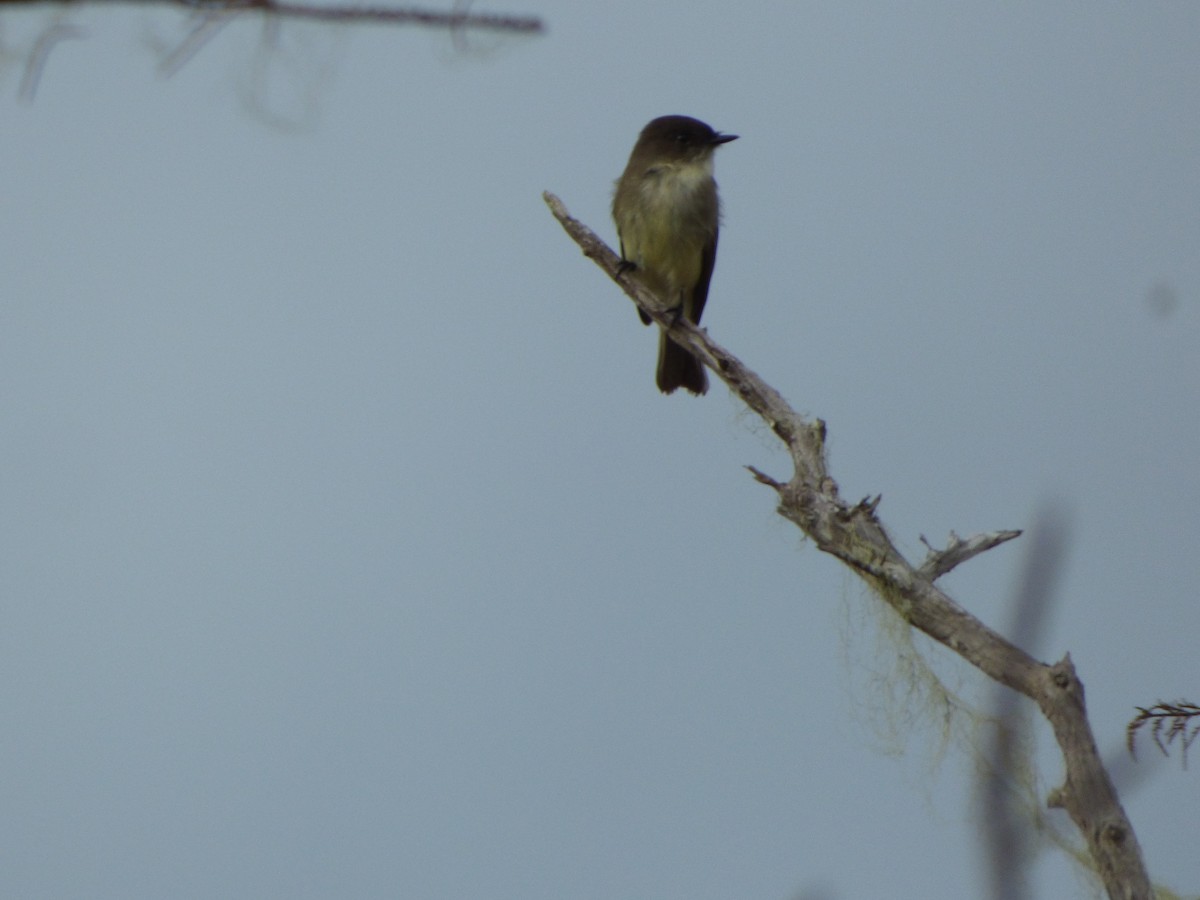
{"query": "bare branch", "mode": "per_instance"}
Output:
(854, 535)
(368, 15)
(958, 551)
(213, 15)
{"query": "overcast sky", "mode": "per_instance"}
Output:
(347, 548)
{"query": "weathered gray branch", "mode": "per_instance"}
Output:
(853, 534)
(958, 551)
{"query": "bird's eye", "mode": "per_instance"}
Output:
(680, 137)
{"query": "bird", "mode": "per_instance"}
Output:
(667, 214)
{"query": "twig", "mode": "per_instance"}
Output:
(1171, 721)
(47, 41)
(958, 551)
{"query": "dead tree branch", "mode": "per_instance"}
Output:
(853, 534)
(380, 14)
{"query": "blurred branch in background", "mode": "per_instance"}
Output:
(1007, 782)
(368, 14)
(211, 15)
(36, 61)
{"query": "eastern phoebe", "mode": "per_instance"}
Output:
(667, 216)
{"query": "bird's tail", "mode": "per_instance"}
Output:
(677, 368)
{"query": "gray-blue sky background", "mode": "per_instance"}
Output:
(347, 548)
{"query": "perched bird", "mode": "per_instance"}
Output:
(668, 215)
